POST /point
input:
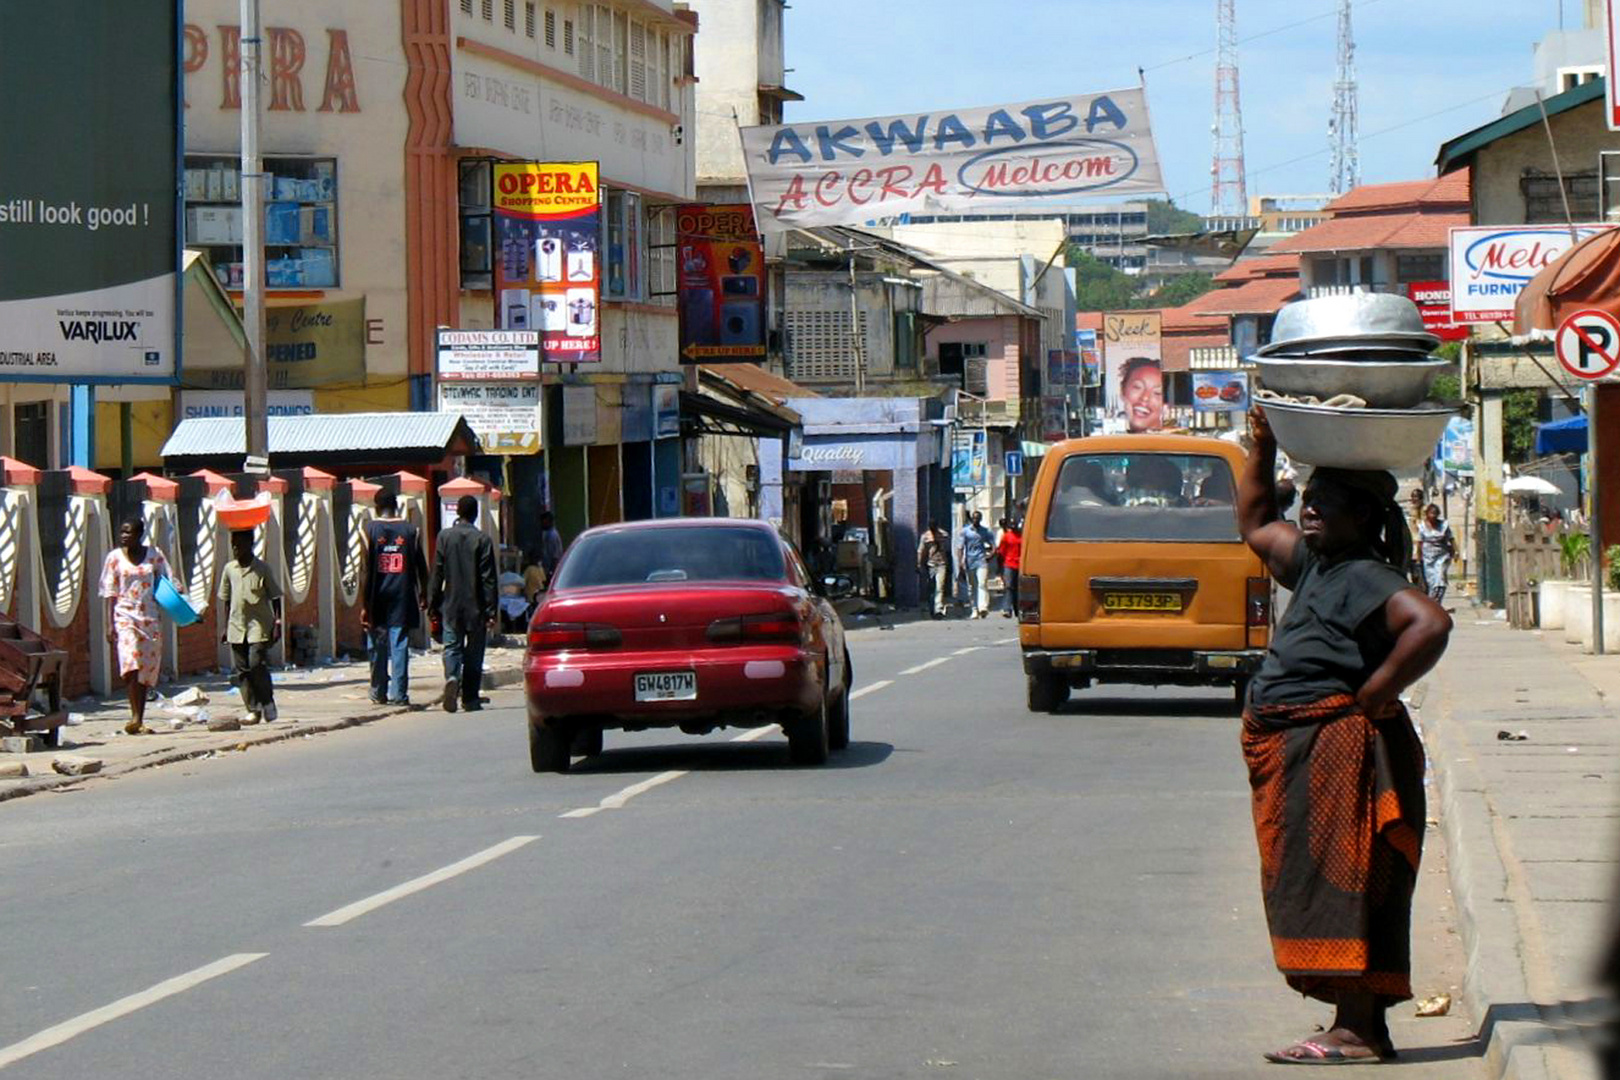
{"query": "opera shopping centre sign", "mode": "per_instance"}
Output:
(997, 158)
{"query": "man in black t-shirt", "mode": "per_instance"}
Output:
(391, 601)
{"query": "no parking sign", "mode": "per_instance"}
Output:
(1588, 344)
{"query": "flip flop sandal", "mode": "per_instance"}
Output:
(1316, 1053)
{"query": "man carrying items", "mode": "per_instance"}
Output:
(252, 602)
(934, 563)
(463, 596)
(391, 600)
(1335, 766)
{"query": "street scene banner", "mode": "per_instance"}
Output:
(969, 468)
(496, 355)
(305, 346)
(1133, 383)
(721, 285)
(1455, 452)
(1001, 157)
(88, 187)
(1491, 265)
(548, 257)
(504, 415)
(1220, 391)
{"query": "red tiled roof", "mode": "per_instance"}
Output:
(1176, 349)
(1262, 296)
(1449, 191)
(1264, 266)
(1366, 232)
(753, 378)
(1088, 320)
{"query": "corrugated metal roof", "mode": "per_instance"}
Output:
(329, 433)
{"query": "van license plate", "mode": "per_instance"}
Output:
(1142, 601)
(666, 686)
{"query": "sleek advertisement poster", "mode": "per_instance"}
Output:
(548, 248)
(1003, 157)
(721, 284)
(1133, 381)
(88, 187)
(1220, 391)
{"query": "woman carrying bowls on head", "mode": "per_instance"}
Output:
(1335, 767)
(128, 580)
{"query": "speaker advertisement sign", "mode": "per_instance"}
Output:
(1001, 157)
(721, 284)
(88, 186)
(548, 256)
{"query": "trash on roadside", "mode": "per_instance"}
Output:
(1508, 736)
(74, 719)
(191, 695)
(1438, 1005)
(1573, 749)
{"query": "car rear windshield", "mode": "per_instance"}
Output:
(1157, 497)
(671, 556)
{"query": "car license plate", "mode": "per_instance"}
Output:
(666, 686)
(1167, 602)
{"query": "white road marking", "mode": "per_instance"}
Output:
(756, 733)
(870, 688)
(415, 885)
(617, 800)
(964, 652)
(1006, 641)
(584, 811)
(61, 1033)
(925, 665)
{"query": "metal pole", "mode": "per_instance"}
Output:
(855, 329)
(254, 378)
(1595, 525)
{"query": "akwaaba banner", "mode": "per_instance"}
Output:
(1003, 157)
(721, 283)
(89, 252)
(548, 265)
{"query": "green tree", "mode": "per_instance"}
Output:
(1098, 286)
(1519, 409)
(1178, 290)
(1165, 218)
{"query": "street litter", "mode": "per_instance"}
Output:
(1438, 1005)
(1573, 749)
(191, 695)
(1508, 736)
(75, 719)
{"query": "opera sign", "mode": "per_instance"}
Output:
(1490, 265)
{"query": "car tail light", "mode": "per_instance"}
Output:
(1029, 598)
(1258, 607)
(772, 626)
(553, 637)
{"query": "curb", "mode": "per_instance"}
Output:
(493, 680)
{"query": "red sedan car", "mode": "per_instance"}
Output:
(690, 623)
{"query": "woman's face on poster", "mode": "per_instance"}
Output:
(1143, 395)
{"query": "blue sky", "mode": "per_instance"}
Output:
(856, 58)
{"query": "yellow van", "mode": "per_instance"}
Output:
(1134, 570)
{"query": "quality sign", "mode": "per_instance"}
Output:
(951, 160)
(1491, 265)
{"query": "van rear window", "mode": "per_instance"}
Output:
(1155, 497)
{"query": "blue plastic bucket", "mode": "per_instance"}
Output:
(174, 605)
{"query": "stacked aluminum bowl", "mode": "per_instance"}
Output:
(1348, 377)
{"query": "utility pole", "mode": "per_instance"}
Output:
(1343, 128)
(855, 335)
(255, 389)
(1229, 189)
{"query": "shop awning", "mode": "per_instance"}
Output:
(1562, 436)
(340, 438)
(1585, 276)
(704, 415)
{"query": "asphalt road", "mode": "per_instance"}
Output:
(968, 891)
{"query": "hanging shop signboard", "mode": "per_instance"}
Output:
(1220, 391)
(498, 355)
(305, 345)
(504, 415)
(548, 258)
(721, 281)
(1491, 265)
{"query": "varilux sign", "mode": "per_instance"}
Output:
(1491, 265)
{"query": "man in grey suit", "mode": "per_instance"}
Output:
(462, 594)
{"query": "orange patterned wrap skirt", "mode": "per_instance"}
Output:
(1339, 814)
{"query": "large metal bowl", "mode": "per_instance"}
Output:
(1357, 438)
(1352, 315)
(1381, 384)
(1370, 347)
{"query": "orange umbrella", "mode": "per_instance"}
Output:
(1585, 276)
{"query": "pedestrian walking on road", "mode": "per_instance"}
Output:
(463, 596)
(1335, 767)
(934, 563)
(1436, 547)
(1009, 550)
(551, 544)
(973, 548)
(251, 600)
(128, 579)
(396, 579)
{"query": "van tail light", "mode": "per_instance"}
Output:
(1258, 607)
(1029, 598)
(772, 626)
(554, 637)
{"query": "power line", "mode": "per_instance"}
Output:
(1262, 34)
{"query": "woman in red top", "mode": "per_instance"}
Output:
(1008, 550)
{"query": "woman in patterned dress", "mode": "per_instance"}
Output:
(128, 579)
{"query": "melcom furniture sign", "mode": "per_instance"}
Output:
(1005, 157)
(88, 183)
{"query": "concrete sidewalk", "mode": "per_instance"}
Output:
(1532, 826)
(308, 701)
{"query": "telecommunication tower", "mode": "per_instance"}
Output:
(1228, 185)
(1342, 134)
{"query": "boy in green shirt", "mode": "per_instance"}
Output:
(252, 603)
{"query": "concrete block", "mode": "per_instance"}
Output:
(12, 770)
(21, 744)
(73, 765)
